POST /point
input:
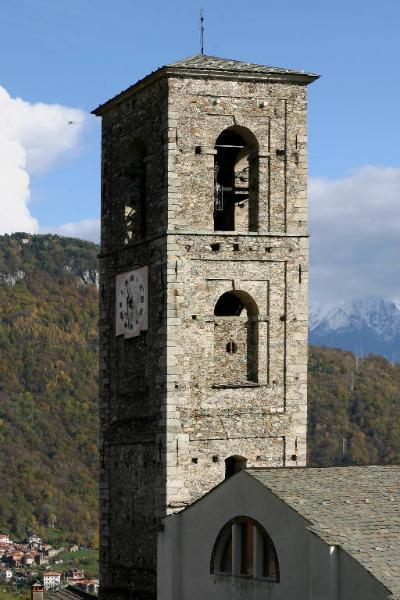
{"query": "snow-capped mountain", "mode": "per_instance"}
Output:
(364, 326)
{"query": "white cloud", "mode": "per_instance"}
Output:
(14, 189)
(87, 229)
(355, 235)
(32, 138)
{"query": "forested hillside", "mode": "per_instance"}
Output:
(48, 383)
(354, 409)
(48, 390)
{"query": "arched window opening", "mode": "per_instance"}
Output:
(236, 338)
(135, 204)
(234, 464)
(236, 181)
(229, 305)
(244, 548)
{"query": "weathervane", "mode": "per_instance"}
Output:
(202, 31)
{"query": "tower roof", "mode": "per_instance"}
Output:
(213, 67)
(214, 63)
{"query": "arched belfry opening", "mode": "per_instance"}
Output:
(236, 181)
(135, 203)
(236, 339)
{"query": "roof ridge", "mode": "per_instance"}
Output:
(214, 57)
(182, 60)
(218, 63)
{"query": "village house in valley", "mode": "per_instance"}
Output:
(51, 580)
(5, 539)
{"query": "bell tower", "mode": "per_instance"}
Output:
(203, 295)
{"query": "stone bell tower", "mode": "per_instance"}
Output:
(203, 297)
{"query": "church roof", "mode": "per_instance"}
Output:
(356, 508)
(214, 67)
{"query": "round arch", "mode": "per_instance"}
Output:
(234, 464)
(240, 133)
(244, 547)
(233, 302)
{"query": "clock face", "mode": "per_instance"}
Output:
(131, 303)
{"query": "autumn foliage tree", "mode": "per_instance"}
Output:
(48, 383)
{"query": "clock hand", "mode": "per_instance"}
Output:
(129, 300)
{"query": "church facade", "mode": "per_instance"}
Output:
(203, 295)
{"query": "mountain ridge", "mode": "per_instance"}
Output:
(362, 325)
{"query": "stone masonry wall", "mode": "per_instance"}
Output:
(208, 417)
(174, 404)
(132, 469)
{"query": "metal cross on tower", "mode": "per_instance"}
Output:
(202, 31)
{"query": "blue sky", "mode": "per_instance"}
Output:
(77, 53)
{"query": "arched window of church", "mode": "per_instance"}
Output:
(244, 548)
(135, 200)
(236, 181)
(235, 339)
